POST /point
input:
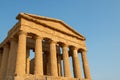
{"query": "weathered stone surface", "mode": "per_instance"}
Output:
(52, 41)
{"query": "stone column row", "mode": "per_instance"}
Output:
(4, 62)
(38, 69)
(12, 57)
(21, 67)
(76, 64)
(8, 59)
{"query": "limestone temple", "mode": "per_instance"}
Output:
(53, 44)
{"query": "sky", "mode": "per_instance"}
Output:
(97, 20)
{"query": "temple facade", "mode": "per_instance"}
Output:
(53, 44)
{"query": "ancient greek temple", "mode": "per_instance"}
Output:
(53, 44)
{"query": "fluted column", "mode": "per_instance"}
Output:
(53, 59)
(85, 66)
(59, 65)
(12, 55)
(38, 56)
(48, 63)
(28, 61)
(21, 55)
(4, 63)
(66, 62)
(76, 64)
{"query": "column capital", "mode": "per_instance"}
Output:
(52, 41)
(12, 39)
(74, 48)
(83, 51)
(5, 45)
(65, 45)
(38, 37)
(22, 32)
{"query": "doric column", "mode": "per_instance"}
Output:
(12, 55)
(4, 63)
(48, 63)
(38, 56)
(21, 54)
(76, 64)
(66, 62)
(45, 63)
(28, 61)
(85, 66)
(53, 59)
(59, 65)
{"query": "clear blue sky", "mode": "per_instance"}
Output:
(97, 20)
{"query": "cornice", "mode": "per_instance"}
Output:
(11, 31)
(34, 18)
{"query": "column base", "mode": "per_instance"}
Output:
(9, 78)
(19, 78)
(39, 77)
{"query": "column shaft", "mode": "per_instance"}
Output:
(14, 57)
(11, 60)
(53, 59)
(38, 57)
(48, 64)
(59, 65)
(86, 66)
(4, 62)
(21, 55)
(66, 62)
(28, 61)
(76, 65)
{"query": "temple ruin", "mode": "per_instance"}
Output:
(52, 42)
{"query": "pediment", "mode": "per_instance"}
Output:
(53, 24)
